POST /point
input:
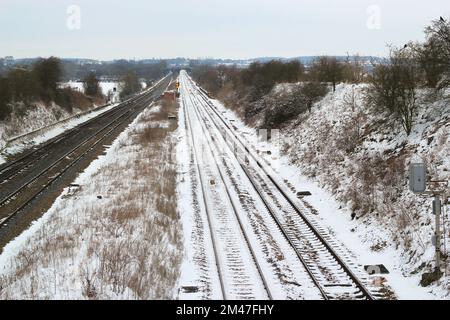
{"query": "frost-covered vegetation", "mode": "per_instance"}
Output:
(393, 83)
(363, 158)
(250, 91)
(114, 234)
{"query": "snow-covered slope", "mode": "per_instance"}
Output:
(362, 158)
(34, 118)
(355, 164)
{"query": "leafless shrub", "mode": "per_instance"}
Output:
(393, 85)
(89, 289)
(328, 69)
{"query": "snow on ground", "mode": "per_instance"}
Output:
(284, 274)
(109, 86)
(372, 239)
(38, 118)
(76, 85)
(114, 234)
(105, 86)
(49, 121)
(197, 269)
(75, 250)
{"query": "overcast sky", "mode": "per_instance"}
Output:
(209, 28)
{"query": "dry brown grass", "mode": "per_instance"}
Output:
(158, 132)
(80, 100)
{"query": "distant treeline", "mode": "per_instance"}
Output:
(38, 80)
(244, 89)
(392, 82)
(78, 69)
(261, 77)
(115, 69)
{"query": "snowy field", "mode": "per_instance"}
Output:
(105, 86)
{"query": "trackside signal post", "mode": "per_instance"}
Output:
(418, 184)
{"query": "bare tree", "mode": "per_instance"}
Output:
(393, 87)
(312, 92)
(4, 98)
(91, 85)
(434, 55)
(328, 69)
(354, 70)
(22, 85)
(48, 72)
(130, 84)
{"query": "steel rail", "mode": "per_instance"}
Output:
(206, 205)
(235, 211)
(364, 291)
(6, 169)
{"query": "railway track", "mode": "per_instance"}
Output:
(234, 274)
(12, 168)
(333, 274)
(15, 167)
(39, 177)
